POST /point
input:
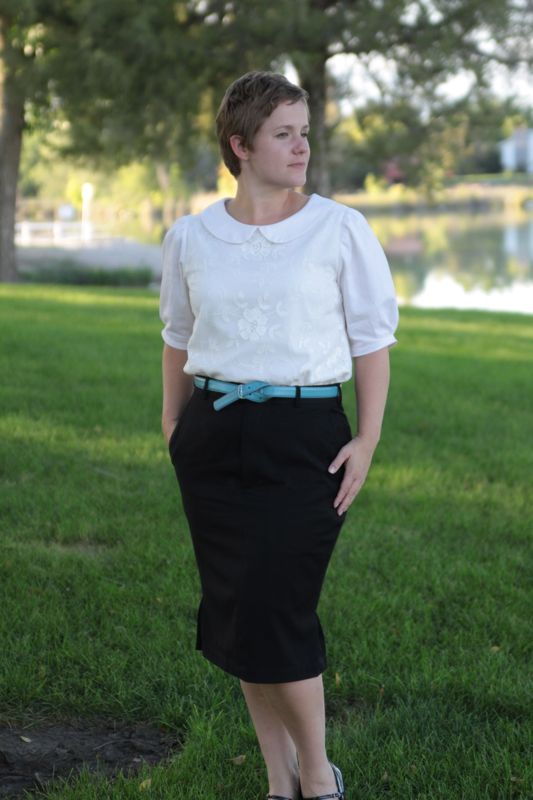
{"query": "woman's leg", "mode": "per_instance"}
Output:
(275, 742)
(300, 705)
(289, 718)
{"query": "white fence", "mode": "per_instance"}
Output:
(28, 233)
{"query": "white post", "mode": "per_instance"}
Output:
(25, 232)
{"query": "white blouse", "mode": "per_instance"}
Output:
(289, 303)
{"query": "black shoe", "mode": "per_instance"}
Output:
(277, 797)
(339, 794)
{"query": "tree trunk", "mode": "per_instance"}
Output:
(169, 203)
(11, 127)
(312, 77)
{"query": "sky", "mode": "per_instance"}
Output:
(347, 67)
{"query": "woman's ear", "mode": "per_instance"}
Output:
(237, 145)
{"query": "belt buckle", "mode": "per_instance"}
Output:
(244, 389)
(251, 388)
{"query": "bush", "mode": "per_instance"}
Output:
(71, 273)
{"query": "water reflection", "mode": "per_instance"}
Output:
(460, 261)
(443, 291)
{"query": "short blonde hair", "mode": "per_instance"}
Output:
(247, 102)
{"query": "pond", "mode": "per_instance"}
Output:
(476, 261)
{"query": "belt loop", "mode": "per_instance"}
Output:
(205, 388)
(297, 397)
(339, 396)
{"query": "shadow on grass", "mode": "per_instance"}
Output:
(32, 757)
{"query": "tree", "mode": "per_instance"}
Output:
(126, 78)
(425, 40)
(11, 126)
(120, 78)
(423, 150)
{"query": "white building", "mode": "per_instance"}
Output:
(516, 152)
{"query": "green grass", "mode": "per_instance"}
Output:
(427, 605)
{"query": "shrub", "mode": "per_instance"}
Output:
(71, 273)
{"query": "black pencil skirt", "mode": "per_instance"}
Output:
(258, 499)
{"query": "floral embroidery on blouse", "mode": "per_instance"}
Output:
(252, 324)
(277, 305)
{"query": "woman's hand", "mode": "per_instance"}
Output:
(167, 426)
(177, 388)
(357, 457)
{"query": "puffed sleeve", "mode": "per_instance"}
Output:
(369, 298)
(174, 305)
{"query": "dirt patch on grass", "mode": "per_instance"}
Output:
(32, 757)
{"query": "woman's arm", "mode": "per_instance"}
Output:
(177, 387)
(372, 376)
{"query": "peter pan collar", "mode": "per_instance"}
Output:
(222, 225)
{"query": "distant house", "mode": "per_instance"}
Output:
(516, 152)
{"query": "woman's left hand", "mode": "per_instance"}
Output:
(357, 457)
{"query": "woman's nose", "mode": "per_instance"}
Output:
(301, 145)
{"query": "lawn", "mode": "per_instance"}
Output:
(428, 601)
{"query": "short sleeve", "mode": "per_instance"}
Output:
(174, 305)
(367, 288)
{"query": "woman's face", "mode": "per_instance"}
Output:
(281, 152)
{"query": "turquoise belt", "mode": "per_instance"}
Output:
(259, 391)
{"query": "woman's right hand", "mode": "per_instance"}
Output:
(177, 389)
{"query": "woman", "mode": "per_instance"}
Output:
(266, 297)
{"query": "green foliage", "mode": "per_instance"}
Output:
(121, 78)
(426, 152)
(489, 120)
(373, 184)
(127, 82)
(144, 193)
(112, 82)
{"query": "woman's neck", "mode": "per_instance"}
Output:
(266, 208)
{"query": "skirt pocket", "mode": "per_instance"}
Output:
(340, 426)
